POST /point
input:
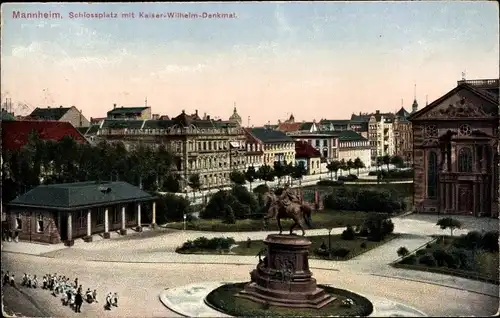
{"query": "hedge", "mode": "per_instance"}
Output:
(229, 205)
(204, 244)
(350, 177)
(368, 200)
(393, 174)
(172, 208)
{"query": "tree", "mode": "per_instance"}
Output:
(386, 160)
(289, 167)
(397, 161)
(403, 251)
(379, 161)
(333, 167)
(449, 223)
(299, 171)
(195, 183)
(343, 165)
(250, 175)
(358, 164)
(237, 177)
(279, 170)
(349, 165)
(266, 173)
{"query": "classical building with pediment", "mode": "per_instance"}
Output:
(455, 150)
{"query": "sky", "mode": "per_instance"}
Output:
(313, 60)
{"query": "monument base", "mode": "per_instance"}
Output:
(283, 278)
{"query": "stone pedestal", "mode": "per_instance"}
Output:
(138, 229)
(106, 235)
(69, 242)
(123, 232)
(87, 239)
(283, 278)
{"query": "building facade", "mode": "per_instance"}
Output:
(254, 151)
(276, 145)
(381, 134)
(308, 156)
(130, 113)
(325, 142)
(62, 114)
(199, 146)
(63, 212)
(455, 151)
(352, 145)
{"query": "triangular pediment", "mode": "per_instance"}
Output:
(460, 103)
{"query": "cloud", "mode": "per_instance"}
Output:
(284, 28)
(179, 68)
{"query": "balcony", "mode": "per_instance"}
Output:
(492, 83)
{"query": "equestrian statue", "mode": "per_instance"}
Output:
(287, 205)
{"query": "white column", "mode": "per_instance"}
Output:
(139, 215)
(89, 222)
(153, 221)
(123, 218)
(106, 221)
(70, 226)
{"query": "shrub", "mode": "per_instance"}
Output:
(449, 223)
(203, 243)
(362, 199)
(363, 245)
(372, 173)
(402, 251)
(321, 252)
(440, 256)
(409, 260)
(348, 234)
(428, 246)
(464, 258)
(427, 260)
(353, 177)
(330, 183)
(229, 217)
(489, 241)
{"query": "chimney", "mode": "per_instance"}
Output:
(60, 106)
(114, 106)
(48, 106)
(196, 112)
(377, 112)
(208, 117)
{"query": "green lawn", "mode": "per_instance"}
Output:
(336, 242)
(405, 189)
(381, 182)
(320, 219)
(486, 263)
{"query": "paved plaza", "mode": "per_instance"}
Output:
(142, 265)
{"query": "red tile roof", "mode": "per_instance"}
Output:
(15, 134)
(304, 150)
(289, 127)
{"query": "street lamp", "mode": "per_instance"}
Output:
(330, 242)
(185, 217)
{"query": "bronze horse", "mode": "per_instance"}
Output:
(299, 213)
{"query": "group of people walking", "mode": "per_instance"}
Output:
(71, 292)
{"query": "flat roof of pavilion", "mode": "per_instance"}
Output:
(81, 195)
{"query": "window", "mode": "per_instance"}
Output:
(325, 143)
(317, 143)
(204, 145)
(39, 223)
(465, 160)
(100, 216)
(432, 176)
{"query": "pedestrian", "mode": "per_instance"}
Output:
(44, 282)
(6, 278)
(108, 301)
(12, 281)
(115, 300)
(34, 282)
(76, 283)
(29, 280)
(94, 295)
(24, 280)
(78, 302)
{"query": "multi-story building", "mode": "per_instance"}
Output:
(455, 151)
(276, 145)
(308, 156)
(63, 114)
(200, 146)
(254, 151)
(326, 142)
(352, 145)
(381, 134)
(403, 137)
(235, 117)
(291, 126)
(130, 113)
